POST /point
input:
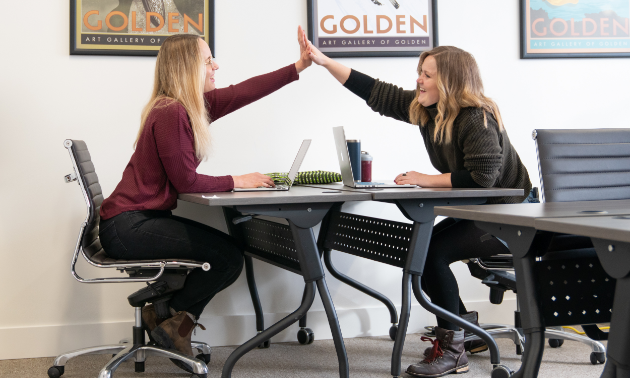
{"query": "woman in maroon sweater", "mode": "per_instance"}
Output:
(136, 220)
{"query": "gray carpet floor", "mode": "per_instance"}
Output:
(368, 357)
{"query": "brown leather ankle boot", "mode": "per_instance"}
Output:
(475, 346)
(447, 355)
(150, 320)
(175, 333)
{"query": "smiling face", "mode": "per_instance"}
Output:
(210, 64)
(427, 83)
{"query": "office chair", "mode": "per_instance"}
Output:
(163, 278)
(574, 165)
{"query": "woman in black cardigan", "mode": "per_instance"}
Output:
(464, 136)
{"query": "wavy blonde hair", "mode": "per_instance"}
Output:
(459, 85)
(179, 77)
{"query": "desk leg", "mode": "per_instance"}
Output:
(253, 292)
(524, 243)
(270, 332)
(312, 270)
(393, 314)
(402, 325)
(531, 318)
(344, 370)
(618, 355)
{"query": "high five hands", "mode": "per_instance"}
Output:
(308, 53)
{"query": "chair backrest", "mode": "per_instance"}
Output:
(583, 164)
(91, 189)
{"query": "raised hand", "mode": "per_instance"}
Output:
(316, 55)
(305, 59)
(253, 180)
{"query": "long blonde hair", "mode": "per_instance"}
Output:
(459, 85)
(179, 77)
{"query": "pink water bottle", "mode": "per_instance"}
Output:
(366, 167)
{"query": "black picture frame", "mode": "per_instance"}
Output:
(526, 40)
(311, 12)
(152, 50)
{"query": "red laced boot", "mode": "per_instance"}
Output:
(446, 357)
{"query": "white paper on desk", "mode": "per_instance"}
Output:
(207, 197)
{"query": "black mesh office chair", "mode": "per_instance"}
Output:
(163, 278)
(574, 165)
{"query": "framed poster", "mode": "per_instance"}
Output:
(575, 28)
(362, 28)
(136, 27)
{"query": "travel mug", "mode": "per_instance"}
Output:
(366, 167)
(354, 150)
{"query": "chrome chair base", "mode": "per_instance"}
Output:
(501, 331)
(124, 351)
(562, 335)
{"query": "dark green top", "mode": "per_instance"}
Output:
(478, 156)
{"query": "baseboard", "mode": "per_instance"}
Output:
(48, 341)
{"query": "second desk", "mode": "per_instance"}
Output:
(417, 205)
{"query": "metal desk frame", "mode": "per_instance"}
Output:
(516, 225)
(418, 206)
(611, 239)
(303, 208)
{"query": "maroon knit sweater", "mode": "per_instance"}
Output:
(164, 162)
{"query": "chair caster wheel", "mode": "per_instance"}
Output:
(555, 343)
(305, 336)
(393, 330)
(598, 357)
(264, 345)
(56, 371)
(431, 332)
(203, 357)
(501, 371)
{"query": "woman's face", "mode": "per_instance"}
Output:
(427, 83)
(211, 66)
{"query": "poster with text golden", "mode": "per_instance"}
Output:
(575, 28)
(136, 27)
(347, 28)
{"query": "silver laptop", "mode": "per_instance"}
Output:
(292, 173)
(346, 167)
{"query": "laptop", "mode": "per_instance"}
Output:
(346, 167)
(292, 173)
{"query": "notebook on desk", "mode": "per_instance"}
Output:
(346, 168)
(292, 173)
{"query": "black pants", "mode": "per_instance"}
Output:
(160, 235)
(453, 240)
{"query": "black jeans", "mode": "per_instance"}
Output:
(158, 234)
(453, 240)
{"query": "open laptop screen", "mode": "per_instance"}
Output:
(298, 162)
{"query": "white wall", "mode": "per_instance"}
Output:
(48, 96)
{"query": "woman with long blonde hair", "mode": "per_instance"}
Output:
(466, 141)
(136, 220)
